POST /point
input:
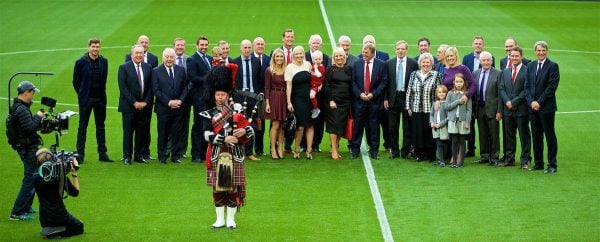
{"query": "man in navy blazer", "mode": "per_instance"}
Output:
(247, 86)
(89, 81)
(258, 47)
(180, 60)
(149, 58)
(395, 98)
(198, 66)
(540, 92)
(169, 85)
(369, 79)
(224, 45)
(135, 86)
(512, 94)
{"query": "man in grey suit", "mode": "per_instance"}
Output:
(346, 43)
(394, 98)
(512, 94)
(488, 110)
(180, 60)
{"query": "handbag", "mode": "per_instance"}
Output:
(290, 122)
(349, 127)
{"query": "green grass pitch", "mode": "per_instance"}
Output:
(322, 199)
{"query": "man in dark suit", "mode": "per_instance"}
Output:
(89, 81)
(346, 43)
(198, 66)
(424, 47)
(315, 42)
(169, 85)
(512, 94)
(509, 44)
(152, 60)
(399, 70)
(149, 58)
(488, 110)
(383, 114)
(258, 47)
(541, 86)
(180, 60)
(247, 87)
(135, 86)
(473, 62)
(369, 79)
(224, 45)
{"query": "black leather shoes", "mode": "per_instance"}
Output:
(197, 160)
(148, 157)
(126, 161)
(162, 161)
(142, 160)
(481, 161)
(353, 155)
(550, 170)
(260, 153)
(104, 158)
(536, 168)
(176, 161)
(394, 155)
(373, 155)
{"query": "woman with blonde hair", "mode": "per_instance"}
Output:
(338, 93)
(275, 99)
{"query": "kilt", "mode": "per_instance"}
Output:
(239, 179)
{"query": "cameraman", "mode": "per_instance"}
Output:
(54, 217)
(27, 144)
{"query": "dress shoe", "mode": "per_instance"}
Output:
(395, 154)
(260, 153)
(148, 157)
(252, 157)
(470, 153)
(197, 160)
(104, 158)
(374, 155)
(525, 166)
(353, 155)
(162, 161)
(142, 160)
(404, 154)
(505, 164)
(481, 161)
(536, 168)
(493, 163)
(126, 161)
(176, 161)
(316, 149)
(550, 170)
(441, 164)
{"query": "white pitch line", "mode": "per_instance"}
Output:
(381, 216)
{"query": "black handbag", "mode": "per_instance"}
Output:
(290, 122)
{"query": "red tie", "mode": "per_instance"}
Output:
(514, 74)
(288, 58)
(509, 63)
(367, 78)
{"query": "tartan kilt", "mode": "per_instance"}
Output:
(239, 175)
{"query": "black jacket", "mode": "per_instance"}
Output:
(27, 123)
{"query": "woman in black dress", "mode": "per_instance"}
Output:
(337, 86)
(297, 77)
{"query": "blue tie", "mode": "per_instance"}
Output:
(400, 76)
(172, 77)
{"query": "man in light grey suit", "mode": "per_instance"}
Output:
(488, 109)
(515, 113)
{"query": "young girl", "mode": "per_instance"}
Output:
(317, 75)
(459, 117)
(438, 120)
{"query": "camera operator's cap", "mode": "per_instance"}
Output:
(26, 86)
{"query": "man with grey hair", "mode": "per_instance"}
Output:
(315, 43)
(540, 93)
(224, 45)
(169, 85)
(345, 43)
(488, 109)
(135, 87)
(180, 60)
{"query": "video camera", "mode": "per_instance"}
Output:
(56, 164)
(53, 121)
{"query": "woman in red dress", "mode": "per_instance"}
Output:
(275, 98)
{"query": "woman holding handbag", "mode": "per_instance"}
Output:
(337, 87)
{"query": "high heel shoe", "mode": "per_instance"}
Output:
(335, 156)
(308, 155)
(296, 155)
(274, 155)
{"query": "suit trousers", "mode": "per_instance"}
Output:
(489, 140)
(147, 138)
(512, 124)
(134, 131)
(366, 118)
(397, 115)
(85, 111)
(199, 145)
(169, 130)
(542, 123)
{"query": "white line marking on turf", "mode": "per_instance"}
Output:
(381, 216)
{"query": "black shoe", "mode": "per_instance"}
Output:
(550, 170)
(260, 153)
(162, 161)
(470, 153)
(394, 155)
(176, 161)
(142, 160)
(481, 161)
(536, 167)
(493, 163)
(316, 149)
(353, 155)
(126, 161)
(148, 157)
(373, 155)
(104, 158)
(404, 154)
(197, 160)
